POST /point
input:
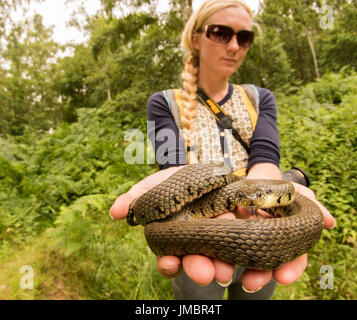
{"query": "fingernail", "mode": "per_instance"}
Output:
(170, 270)
(110, 212)
(251, 291)
(225, 284)
(203, 285)
(334, 224)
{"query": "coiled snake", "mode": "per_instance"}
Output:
(173, 214)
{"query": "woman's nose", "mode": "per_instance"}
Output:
(233, 44)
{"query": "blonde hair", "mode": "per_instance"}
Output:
(189, 75)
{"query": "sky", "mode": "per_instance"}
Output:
(57, 14)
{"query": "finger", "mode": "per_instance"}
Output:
(169, 266)
(291, 271)
(245, 213)
(254, 280)
(329, 220)
(227, 215)
(199, 268)
(299, 188)
(120, 208)
(224, 272)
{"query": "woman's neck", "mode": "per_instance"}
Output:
(216, 88)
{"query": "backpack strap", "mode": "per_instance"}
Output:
(251, 98)
(249, 92)
(174, 100)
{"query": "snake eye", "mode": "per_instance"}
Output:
(260, 195)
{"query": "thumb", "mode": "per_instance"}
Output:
(120, 208)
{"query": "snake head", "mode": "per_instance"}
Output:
(251, 196)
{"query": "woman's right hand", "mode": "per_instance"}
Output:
(200, 269)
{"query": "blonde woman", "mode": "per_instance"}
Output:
(216, 38)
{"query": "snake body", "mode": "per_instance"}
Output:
(175, 214)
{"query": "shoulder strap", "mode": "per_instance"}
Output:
(251, 98)
(222, 118)
(250, 95)
(174, 101)
(249, 92)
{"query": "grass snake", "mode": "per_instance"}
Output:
(176, 214)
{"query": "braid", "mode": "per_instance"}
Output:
(189, 96)
(195, 27)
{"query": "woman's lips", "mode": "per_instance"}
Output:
(232, 61)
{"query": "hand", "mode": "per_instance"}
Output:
(199, 268)
(202, 269)
(253, 280)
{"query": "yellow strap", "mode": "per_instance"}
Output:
(241, 172)
(191, 158)
(253, 115)
(178, 99)
(211, 107)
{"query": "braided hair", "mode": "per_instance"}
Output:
(195, 25)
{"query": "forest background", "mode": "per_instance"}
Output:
(63, 120)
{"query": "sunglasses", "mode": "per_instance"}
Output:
(224, 34)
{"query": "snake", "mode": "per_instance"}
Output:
(178, 218)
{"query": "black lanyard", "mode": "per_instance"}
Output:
(222, 118)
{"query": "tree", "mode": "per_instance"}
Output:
(26, 87)
(182, 7)
(310, 46)
(297, 26)
(338, 44)
(267, 64)
(76, 84)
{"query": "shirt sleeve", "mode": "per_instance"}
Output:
(169, 147)
(164, 134)
(265, 143)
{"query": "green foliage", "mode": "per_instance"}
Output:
(5, 9)
(45, 174)
(138, 58)
(301, 36)
(338, 46)
(71, 179)
(317, 129)
(125, 61)
(104, 253)
(59, 188)
(75, 83)
(26, 91)
(133, 55)
(56, 188)
(267, 64)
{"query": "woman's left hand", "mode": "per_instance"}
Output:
(253, 280)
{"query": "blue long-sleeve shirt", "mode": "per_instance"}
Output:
(264, 144)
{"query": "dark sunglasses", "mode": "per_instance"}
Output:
(224, 34)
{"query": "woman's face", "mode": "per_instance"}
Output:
(220, 59)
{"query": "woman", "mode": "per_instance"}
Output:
(216, 47)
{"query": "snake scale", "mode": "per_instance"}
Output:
(176, 215)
